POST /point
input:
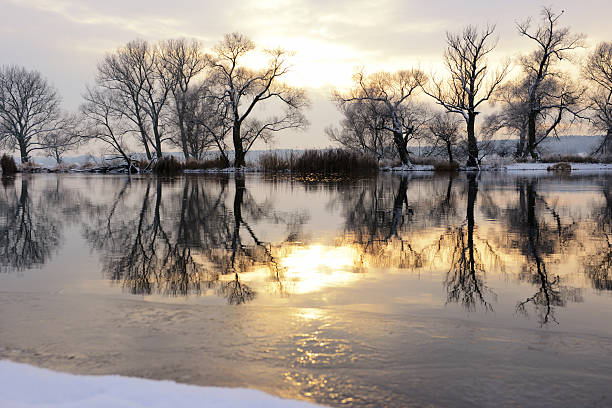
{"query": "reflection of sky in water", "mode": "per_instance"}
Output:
(323, 280)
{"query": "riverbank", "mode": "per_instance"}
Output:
(26, 386)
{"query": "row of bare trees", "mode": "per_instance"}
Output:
(382, 113)
(174, 93)
(151, 97)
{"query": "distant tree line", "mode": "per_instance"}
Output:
(152, 97)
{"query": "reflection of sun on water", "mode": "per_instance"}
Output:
(314, 267)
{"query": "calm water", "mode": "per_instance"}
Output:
(491, 289)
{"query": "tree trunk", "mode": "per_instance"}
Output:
(158, 147)
(23, 150)
(607, 147)
(238, 149)
(401, 149)
(183, 140)
(180, 102)
(143, 136)
(472, 144)
(449, 151)
(520, 147)
(531, 141)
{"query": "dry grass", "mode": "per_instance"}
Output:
(212, 163)
(332, 161)
(446, 166)
(167, 165)
(274, 163)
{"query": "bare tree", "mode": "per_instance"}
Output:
(470, 84)
(550, 94)
(66, 137)
(443, 129)
(29, 110)
(363, 129)
(512, 117)
(204, 125)
(124, 74)
(393, 91)
(140, 79)
(182, 61)
(242, 89)
(598, 71)
(102, 122)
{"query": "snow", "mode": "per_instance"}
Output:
(544, 166)
(25, 386)
(414, 167)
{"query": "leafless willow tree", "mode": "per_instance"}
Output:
(471, 82)
(104, 123)
(182, 61)
(29, 110)
(142, 82)
(444, 129)
(205, 123)
(363, 129)
(241, 90)
(598, 71)
(512, 117)
(66, 137)
(393, 93)
(550, 93)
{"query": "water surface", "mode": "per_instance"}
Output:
(487, 289)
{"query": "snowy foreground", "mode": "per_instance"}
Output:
(25, 386)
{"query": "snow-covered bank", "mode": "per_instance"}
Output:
(25, 386)
(544, 166)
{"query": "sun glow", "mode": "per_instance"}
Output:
(311, 268)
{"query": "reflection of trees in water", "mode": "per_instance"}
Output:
(386, 224)
(188, 242)
(29, 231)
(465, 280)
(598, 264)
(377, 217)
(536, 239)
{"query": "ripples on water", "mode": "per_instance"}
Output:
(347, 292)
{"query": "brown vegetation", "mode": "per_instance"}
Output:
(7, 163)
(319, 161)
(167, 165)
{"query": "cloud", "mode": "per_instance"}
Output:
(64, 39)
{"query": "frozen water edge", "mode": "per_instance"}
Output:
(534, 167)
(25, 386)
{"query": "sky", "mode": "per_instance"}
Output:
(64, 39)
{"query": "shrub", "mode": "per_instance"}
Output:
(273, 162)
(424, 160)
(333, 161)
(211, 163)
(167, 165)
(31, 167)
(7, 163)
(444, 166)
(141, 164)
(560, 167)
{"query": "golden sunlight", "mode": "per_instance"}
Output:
(314, 267)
